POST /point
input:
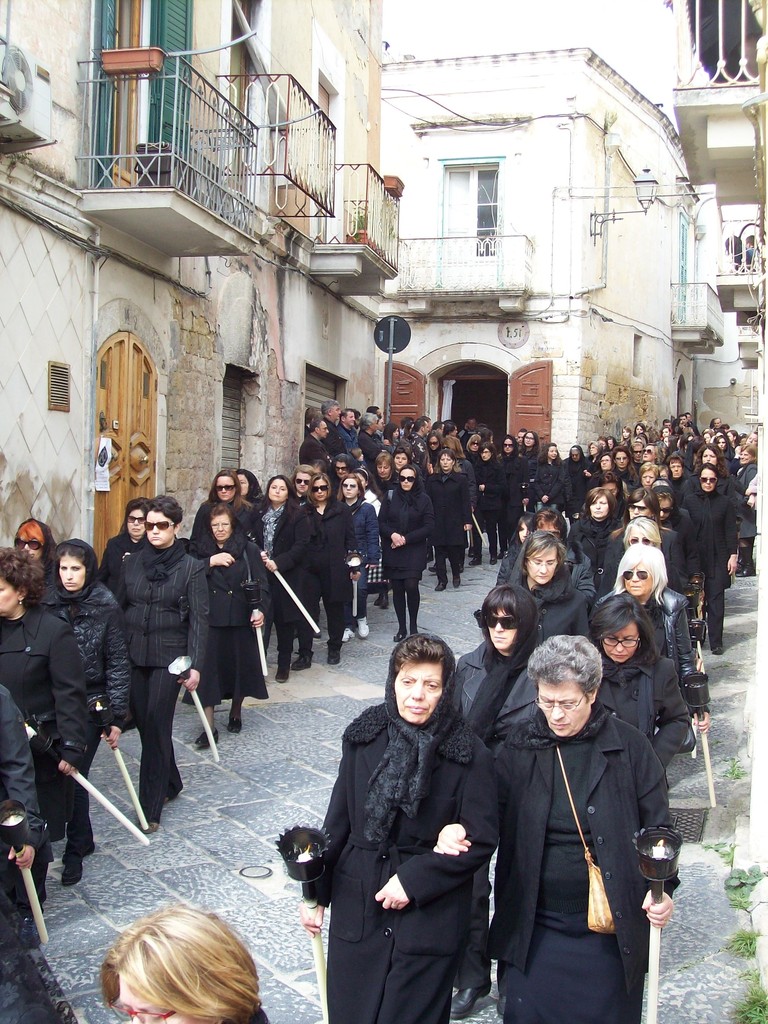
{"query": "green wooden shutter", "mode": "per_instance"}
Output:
(170, 28)
(104, 96)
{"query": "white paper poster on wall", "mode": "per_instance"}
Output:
(103, 459)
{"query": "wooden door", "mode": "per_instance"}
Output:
(408, 394)
(126, 413)
(530, 399)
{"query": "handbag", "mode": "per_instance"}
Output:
(599, 916)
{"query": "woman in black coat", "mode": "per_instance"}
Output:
(541, 884)
(550, 485)
(232, 667)
(579, 481)
(406, 521)
(491, 495)
(515, 472)
(41, 667)
(326, 573)
(639, 686)
(226, 487)
(36, 538)
(746, 512)
(593, 531)
(714, 520)
(282, 531)
(132, 535)
(448, 490)
(164, 595)
(97, 621)
(543, 571)
(400, 911)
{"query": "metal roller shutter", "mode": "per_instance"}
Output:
(319, 387)
(231, 418)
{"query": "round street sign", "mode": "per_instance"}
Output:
(397, 327)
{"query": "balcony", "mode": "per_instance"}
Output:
(456, 269)
(169, 160)
(740, 269)
(749, 347)
(717, 73)
(357, 252)
(697, 320)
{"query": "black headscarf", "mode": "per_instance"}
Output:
(87, 556)
(254, 488)
(402, 778)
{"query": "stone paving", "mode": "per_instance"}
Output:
(279, 771)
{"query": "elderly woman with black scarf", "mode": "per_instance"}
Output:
(489, 679)
(401, 910)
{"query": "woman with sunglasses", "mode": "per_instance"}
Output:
(352, 491)
(225, 488)
(434, 446)
(128, 541)
(643, 504)
(183, 965)
(448, 491)
(491, 499)
(326, 574)
(714, 522)
(709, 455)
(282, 533)
(406, 520)
(164, 595)
(746, 483)
(36, 538)
(496, 695)
(639, 685)
(515, 469)
(301, 479)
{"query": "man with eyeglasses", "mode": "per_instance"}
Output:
(312, 448)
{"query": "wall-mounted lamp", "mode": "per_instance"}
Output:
(645, 189)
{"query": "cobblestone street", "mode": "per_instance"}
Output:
(279, 771)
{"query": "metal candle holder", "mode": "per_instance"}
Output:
(15, 831)
(696, 694)
(252, 589)
(354, 560)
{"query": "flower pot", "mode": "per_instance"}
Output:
(137, 60)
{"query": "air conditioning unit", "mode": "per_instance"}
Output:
(25, 101)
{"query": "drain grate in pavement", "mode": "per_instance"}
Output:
(689, 822)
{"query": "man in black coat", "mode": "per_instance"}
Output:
(313, 448)
(333, 442)
(369, 440)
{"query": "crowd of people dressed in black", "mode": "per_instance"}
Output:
(585, 648)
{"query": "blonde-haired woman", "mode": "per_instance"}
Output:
(182, 963)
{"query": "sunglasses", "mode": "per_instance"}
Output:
(225, 487)
(641, 574)
(33, 545)
(136, 519)
(708, 479)
(319, 487)
(302, 480)
(161, 524)
(505, 621)
(407, 479)
(507, 445)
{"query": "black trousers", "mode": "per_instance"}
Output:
(474, 970)
(79, 831)
(314, 589)
(714, 609)
(490, 524)
(454, 553)
(154, 693)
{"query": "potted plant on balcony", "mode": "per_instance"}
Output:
(357, 233)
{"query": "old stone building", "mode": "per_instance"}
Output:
(194, 236)
(550, 255)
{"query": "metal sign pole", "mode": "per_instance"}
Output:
(389, 368)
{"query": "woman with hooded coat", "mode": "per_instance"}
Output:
(400, 911)
(448, 491)
(97, 621)
(406, 520)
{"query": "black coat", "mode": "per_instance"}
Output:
(491, 475)
(648, 697)
(686, 551)
(578, 485)
(714, 522)
(627, 792)
(228, 604)
(449, 495)
(614, 553)
(334, 442)
(415, 520)
(166, 619)
(99, 628)
(552, 481)
(673, 637)
(562, 608)
(365, 938)
(17, 775)
(289, 549)
(201, 528)
(594, 542)
(112, 559)
(516, 475)
(748, 515)
(332, 536)
(371, 446)
(313, 450)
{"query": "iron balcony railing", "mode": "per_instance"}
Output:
(297, 141)
(742, 251)
(494, 263)
(717, 42)
(696, 304)
(170, 129)
(370, 215)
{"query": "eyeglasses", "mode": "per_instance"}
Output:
(136, 519)
(564, 705)
(300, 480)
(407, 479)
(708, 479)
(161, 524)
(33, 545)
(617, 641)
(340, 469)
(505, 621)
(349, 483)
(225, 487)
(641, 574)
(540, 563)
(145, 1016)
(508, 444)
(319, 487)
(221, 526)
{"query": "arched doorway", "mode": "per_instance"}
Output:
(478, 391)
(126, 413)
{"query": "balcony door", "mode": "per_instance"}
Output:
(126, 414)
(470, 226)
